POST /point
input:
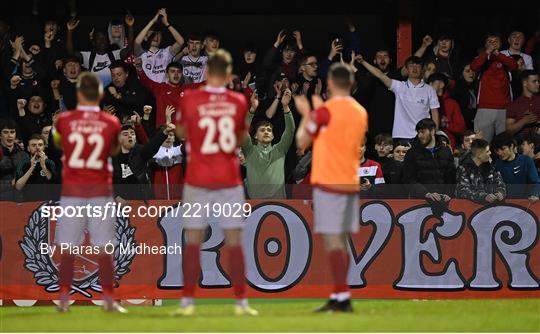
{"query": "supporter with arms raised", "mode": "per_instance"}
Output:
(155, 58)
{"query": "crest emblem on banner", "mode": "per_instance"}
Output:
(36, 232)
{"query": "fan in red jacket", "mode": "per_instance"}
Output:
(166, 93)
(452, 121)
(495, 92)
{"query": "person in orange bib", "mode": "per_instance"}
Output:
(337, 129)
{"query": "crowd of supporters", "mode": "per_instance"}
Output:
(440, 127)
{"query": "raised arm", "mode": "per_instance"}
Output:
(179, 40)
(23, 178)
(426, 42)
(142, 34)
(128, 50)
(298, 38)
(272, 109)
(71, 26)
(288, 135)
(304, 136)
(270, 56)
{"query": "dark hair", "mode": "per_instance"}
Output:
(341, 75)
(263, 123)
(250, 46)
(446, 35)
(533, 138)
(71, 59)
(383, 49)
(127, 126)
(35, 136)
(516, 57)
(524, 76)
(290, 45)
(305, 57)
(102, 33)
(467, 133)
(90, 86)
(220, 63)
(492, 34)
(8, 123)
(426, 123)
(212, 34)
(414, 60)
(502, 139)
(401, 143)
(195, 37)
(479, 144)
(174, 64)
(438, 77)
(119, 64)
(383, 138)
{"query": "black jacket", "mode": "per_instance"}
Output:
(8, 167)
(476, 182)
(134, 97)
(131, 170)
(425, 172)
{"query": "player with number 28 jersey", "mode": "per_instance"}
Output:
(214, 119)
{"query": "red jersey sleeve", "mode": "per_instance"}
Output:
(318, 118)
(379, 177)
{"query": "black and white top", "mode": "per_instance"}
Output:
(194, 68)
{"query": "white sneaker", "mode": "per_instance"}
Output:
(114, 307)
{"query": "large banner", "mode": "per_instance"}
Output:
(401, 251)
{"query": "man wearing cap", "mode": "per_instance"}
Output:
(428, 168)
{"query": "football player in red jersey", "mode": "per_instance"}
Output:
(88, 137)
(213, 121)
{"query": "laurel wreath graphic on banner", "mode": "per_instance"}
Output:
(45, 272)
